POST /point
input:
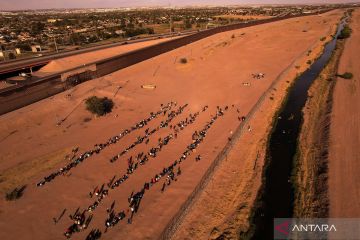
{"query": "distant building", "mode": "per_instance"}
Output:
(36, 48)
(83, 30)
(120, 32)
(211, 25)
(52, 20)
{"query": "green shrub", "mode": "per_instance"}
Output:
(23, 46)
(346, 75)
(12, 55)
(131, 32)
(345, 33)
(99, 106)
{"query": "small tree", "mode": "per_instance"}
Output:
(345, 32)
(183, 60)
(23, 46)
(187, 24)
(99, 106)
(12, 56)
(346, 75)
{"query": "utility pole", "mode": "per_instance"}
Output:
(171, 24)
(56, 45)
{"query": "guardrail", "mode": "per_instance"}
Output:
(14, 97)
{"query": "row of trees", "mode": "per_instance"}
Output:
(131, 32)
(82, 38)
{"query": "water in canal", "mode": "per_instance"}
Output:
(278, 193)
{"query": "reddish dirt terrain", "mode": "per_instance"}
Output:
(344, 154)
(33, 146)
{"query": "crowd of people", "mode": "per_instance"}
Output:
(134, 200)
(140, 159)
(80, 223)
(99, 147)
(94, 235)
(258, 75)
(148, 133)
(168, 174)
(113, 218)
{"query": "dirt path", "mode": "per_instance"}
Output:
(344, 164)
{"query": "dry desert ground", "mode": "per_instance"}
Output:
(344, 154)
(218, 72)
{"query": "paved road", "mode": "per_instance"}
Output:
(15, 65)
(18, 96)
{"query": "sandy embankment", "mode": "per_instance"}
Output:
(214, 75)
(310, 175)
(344, 154)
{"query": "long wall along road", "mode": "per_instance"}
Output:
(18, 96)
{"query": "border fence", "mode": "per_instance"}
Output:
(18, 96)
(176, 220)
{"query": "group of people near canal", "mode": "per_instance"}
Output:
(141, 158)
(169, 174)
(99, 147)
(148, 133)
(80, 223)
(258, 75)
(94, 234)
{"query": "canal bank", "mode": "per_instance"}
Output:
(310, 172)
(276, 196)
